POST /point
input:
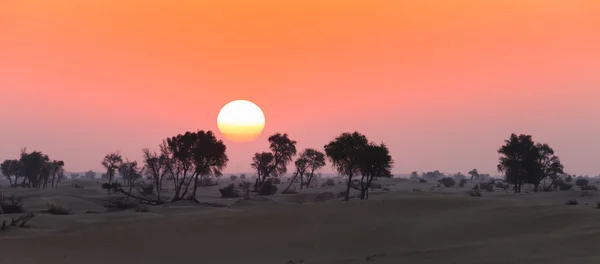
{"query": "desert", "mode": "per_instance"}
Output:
(411, 223)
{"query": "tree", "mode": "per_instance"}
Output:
(54, 170)
(130, 172)
(209, 158)
(274, 163)
(156, 168)
(414, 175)
(111, 163)
(10, 169)
(308, 163)
(34, 167)
(316, 161)
(524, 161)
(344, 152)
(374, 161)
(192, 155)
(90, 175)
(474, 175)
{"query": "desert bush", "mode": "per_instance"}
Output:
(329, 182)
(341, 194)
(233, 177)
(488, 187)
(118, 204)
(572, 202)
(111, 186)
(229, 192)
(147, 189)
(474, 193)
(57, 209)
(447, 181)
(141, 208)
(581, 182)
(289, 191)
(267, 188)
(561, 185)
(77, 185)
(462, 183)
(276, 181)
(207, 182)
(376, 185)
(588, 188)
(10, 204)
(422, 181)
(501, 185)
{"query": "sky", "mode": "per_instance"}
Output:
(441, 82)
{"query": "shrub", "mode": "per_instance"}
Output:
(462, 183)
(141, 208)
(229, 192)
(10, 204)
(276, 181)
(448, 181)
(572, 202)
(488, 187)
(207, 182)
(329, 182)
(588, 188)
(474, 193)
(118, 204)
(422, 181)
(233, 177)
(267, 188)
(289, 191)
(77, 185)
(376, 185)
(581, 182)
(57, 209)
(147, 189)
(563, 186)
(111, 186)
(598, 205)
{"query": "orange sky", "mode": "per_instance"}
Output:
(442, 82)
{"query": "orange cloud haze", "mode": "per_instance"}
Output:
(443, 83)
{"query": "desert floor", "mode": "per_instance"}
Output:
(403, 225)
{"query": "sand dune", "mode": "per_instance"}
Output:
(401, 226)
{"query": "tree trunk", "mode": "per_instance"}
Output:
(195, 187)
(10, 180)
(301, 181)
(348, 187)
(292, 182)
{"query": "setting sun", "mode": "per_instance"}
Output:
(241, 121)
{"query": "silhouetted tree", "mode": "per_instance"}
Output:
(375, 161)
(274, 163)
(524, 161)
(474, 174)
(209, 158)
(309, 161)
(433, 175)
(345, 153)
(414, 175)
(131, 173)
(111, 163)
(156, 169)
(53, 171)
(10, 169)
(90, 175)
(33, 165)
(192, 155)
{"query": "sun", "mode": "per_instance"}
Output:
(241, 121)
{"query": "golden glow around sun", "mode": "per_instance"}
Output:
(241, 121)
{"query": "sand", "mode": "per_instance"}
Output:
(435, 225)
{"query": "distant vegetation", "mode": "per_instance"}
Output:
(197, 159)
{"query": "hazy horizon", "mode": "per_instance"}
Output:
(442, 83)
